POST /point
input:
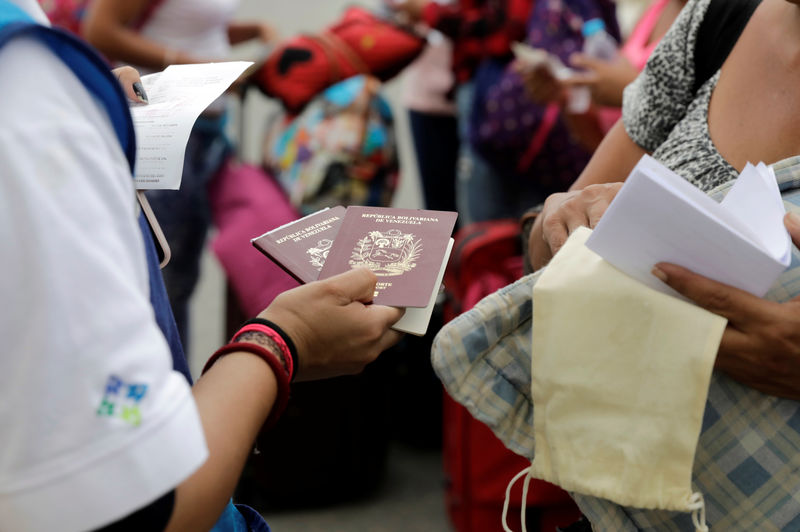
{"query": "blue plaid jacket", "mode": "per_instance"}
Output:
(747, 464)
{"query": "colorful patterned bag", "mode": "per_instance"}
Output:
(340, 150)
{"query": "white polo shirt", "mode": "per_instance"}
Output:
(94, 423)
(198, 27)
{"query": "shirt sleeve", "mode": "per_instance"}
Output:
(659, 97)
(95, 422)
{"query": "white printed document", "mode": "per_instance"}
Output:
(658, 216)
(177, 97)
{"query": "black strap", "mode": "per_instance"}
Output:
(722, 24)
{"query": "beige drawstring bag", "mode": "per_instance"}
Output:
(620, 379)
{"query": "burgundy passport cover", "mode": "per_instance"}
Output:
(403, 247)
(300, 247)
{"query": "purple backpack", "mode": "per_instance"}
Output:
(518, 137)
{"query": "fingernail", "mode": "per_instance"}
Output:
(139, 90)
(658, 272)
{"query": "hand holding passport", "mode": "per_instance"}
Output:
(407, 249)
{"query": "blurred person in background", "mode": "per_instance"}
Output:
(428, 94)
(151, 35)
(605, 79)
(477, 29)
(527, 143)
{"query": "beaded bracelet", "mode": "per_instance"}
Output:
(281, 376)
(286, 340)
(277, 341)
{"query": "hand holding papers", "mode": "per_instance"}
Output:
(177, 97)
(658, 216)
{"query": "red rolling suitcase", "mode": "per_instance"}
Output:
(477, 466)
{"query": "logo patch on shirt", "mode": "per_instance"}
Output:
(121, 400)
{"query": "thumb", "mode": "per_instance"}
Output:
(792, 223)
(355, 285)
(386, 315)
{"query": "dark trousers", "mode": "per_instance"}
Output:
(436, 145)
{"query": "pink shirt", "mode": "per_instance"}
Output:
(636, 50)
(429, 79)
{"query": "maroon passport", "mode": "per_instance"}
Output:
(403, 247)
(301, 247)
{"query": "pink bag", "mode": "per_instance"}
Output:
(246, 203)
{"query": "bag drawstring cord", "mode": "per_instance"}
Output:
(698, 507)
(525, 486)
(696, 504)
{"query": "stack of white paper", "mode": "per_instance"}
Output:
(658, 216)
(177, 97)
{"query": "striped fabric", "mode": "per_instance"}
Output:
(747, 464)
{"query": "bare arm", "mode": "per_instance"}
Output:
(606, 79)
(234, 399)
(585, 128)
(335, 333)
(108, 28)
(613, 161)
(563, 212)
(239, 32)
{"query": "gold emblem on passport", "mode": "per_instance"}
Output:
(387, 253)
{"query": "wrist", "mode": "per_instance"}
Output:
(526, 222)
(270, 343)
(283, 341)
(272, 360)
(528, 217)
(270, 340)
